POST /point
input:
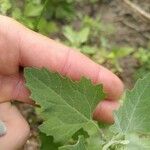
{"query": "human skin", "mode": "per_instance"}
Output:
(21, 47)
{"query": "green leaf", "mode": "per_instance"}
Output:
(47, 142)
(46, 27)
(70, 34)
(17, 14)
(66, 106)
(137, 142)
(142, 55)
(76, 38)
(32, 10)
(80, 145)
(5, 5)
(83, 35)
(29, 22)
(64, 11)
(88, 50)
(120, 52)
(134, 115)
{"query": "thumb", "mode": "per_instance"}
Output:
(16, 130)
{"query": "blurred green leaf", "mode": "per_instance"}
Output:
(70, 34)
(83, 35)
(46, 27)
(5, 5)
(88, 50)
(104, 42)
(17, 14)
(64, 11)
(76, 38)
(29, 22)
(60, 9)
(32, 10)
(120, 52)
(142, 55)
(34, 1)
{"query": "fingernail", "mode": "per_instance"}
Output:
(3, 128)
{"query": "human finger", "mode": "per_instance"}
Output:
(17, 128)
(34, 50)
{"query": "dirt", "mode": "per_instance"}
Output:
(131, 29)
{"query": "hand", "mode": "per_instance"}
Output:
(21, 47)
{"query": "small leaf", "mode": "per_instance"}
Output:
(5, 5)
(134, 115)
(17, 14)
(76, 38)
(29, 22)
(46, 27)
(32, 10)
(70, 34)
(120, 52)
(83, 35)
(88, 50)
(66, 106)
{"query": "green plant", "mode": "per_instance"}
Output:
(26, 12)
(143, 57)
(113, 57)
(5, 6)
(67, 107)
(98, 31)
(39, 15)
(98, 28)
(79, 39)
(116, 54)
(60, 9)
(91, 35)
(76, 38)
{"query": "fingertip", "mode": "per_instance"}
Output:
(104, 111)
(113, 86)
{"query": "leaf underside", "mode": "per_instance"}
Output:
(134, 115)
